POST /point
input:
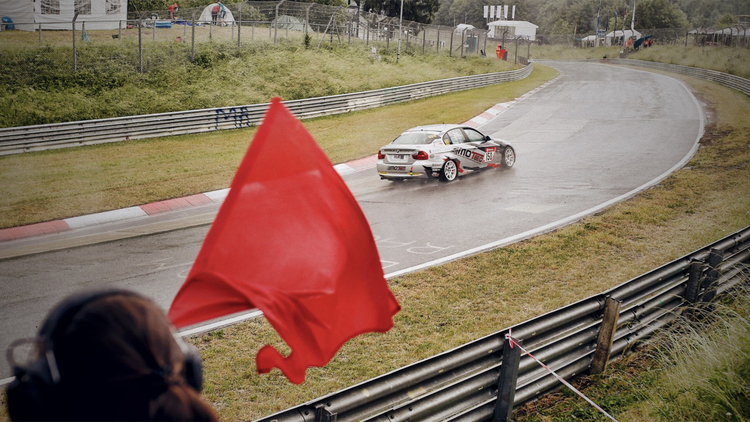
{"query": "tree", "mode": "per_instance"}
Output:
(726, 20)
(659, 14)
(422, 11)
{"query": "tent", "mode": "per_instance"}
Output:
(27, 15)
(615, 37)
(461, 27)
(289, 22)
(513, 29)
(206, 15)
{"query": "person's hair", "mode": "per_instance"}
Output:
(118, 359)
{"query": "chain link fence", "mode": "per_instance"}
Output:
(269, 22)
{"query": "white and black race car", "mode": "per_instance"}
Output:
(444, 151)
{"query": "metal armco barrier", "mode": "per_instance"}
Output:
(61, 135)
(462, 384)
(731, 81)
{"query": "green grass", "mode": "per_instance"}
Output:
(38, 84)
(62, 183)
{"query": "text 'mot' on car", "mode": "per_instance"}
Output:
(443, 151)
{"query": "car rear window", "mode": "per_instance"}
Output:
(415, 138)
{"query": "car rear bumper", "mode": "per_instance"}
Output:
(405, 171)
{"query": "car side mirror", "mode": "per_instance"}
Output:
(487, 138)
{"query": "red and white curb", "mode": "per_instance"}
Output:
(151, 209)
(201, 199)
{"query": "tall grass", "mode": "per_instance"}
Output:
(703, 364)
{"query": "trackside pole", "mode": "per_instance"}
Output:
(606, 335)
(506, 391)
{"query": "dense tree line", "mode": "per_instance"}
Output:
(552, 16)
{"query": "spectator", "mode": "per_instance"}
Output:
(108, 355)
(215, 13)
(173, 8)
(222, 13)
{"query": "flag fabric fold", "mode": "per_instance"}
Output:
(290, 240)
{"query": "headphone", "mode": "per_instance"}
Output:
(33, 395)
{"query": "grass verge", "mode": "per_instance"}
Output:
(62, 183)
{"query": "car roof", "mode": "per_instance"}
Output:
(434, 128)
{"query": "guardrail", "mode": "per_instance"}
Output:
(735, 82)
(61, 135)
(462, 384)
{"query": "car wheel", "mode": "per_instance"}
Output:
(449, 172)
(509, 157)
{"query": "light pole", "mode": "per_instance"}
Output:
(400, 23)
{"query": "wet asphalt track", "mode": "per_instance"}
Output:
(594, 136)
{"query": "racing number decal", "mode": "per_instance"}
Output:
(489, 154)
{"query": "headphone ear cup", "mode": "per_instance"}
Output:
(193, 368)
(32, 395)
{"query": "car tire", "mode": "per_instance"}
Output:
(509, 158)
(449, 171)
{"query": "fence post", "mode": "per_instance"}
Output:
(438, 41)
(40, 33)
(715, 257)
(140, 45)
(463, 40)
(119, 31)
(75, 52)
(192, 41)
(239, 26)
(506, 391)
(276, 23)
(450, 52)
(424, 39)
(606, 335)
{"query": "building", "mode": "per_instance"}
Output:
(512, 29)
(27, 15)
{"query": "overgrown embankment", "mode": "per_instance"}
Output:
(38, 84)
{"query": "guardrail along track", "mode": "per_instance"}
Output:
(61, 135)
(462, 384)
(735, 82)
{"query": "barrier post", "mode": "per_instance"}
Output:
(715, 257)
(694, 281)
(506, 391)
(606, 335)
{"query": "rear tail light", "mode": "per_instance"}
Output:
(380, 155)
(421, 155)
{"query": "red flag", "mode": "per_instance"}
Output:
(290, 240)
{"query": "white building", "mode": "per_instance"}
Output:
(58, 14)
(512, 29)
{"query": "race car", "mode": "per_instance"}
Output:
(444, 152)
